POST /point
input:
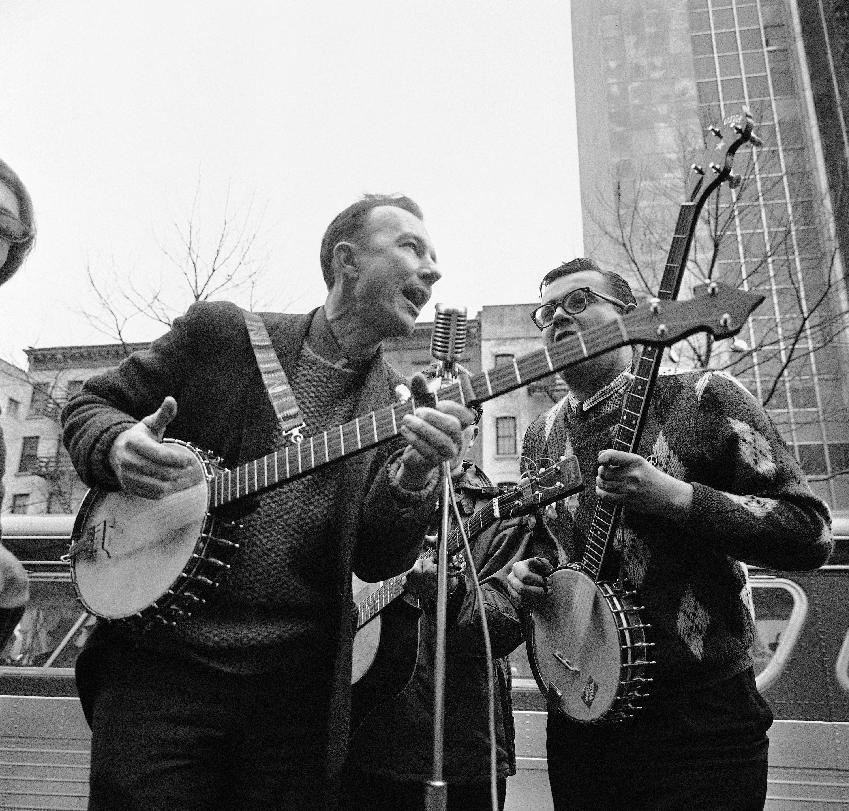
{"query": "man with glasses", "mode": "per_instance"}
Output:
(713, 487)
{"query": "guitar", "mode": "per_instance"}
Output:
(589, 644)
(387, 630)
(154, 561)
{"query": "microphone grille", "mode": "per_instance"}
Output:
(449, 333)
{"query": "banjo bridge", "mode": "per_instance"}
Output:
(87, 543)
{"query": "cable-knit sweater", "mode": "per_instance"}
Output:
(750, 504)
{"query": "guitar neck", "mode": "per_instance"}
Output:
(394, 587)
(379, 426)
(377, 600)
(635, 405)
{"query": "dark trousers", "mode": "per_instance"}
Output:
(368, 791)
(169, 734)
(706, 750)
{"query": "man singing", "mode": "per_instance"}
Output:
(245, 703)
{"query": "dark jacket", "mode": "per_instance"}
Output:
(395, 740)
(207, 364)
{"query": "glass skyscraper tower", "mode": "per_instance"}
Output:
(650, 75)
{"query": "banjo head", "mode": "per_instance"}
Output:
(574, 647)
(139, 546)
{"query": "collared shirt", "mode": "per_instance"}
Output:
(615, 386)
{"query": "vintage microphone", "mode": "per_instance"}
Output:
(448, 341)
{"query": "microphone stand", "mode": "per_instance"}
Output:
(436, 789)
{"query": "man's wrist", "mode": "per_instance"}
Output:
(682, 500)
(413, 478)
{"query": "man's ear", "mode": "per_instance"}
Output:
(345, 260)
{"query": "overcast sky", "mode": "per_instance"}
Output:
(114, 114)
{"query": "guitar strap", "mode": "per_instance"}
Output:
(276, 383)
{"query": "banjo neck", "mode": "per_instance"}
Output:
(721, 313)
(712, 170)
(635, 405)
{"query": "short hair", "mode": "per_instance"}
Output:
(17, 250)
(617, 286)
(349, 225)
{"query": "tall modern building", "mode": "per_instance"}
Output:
(651, 76)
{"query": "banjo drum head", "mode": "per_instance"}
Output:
(140, 545)
(575, 649)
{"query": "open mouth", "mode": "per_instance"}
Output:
(416, 296)
(563, 334)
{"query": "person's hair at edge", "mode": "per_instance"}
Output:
(17, 251)
(348, 225)
(617, 286)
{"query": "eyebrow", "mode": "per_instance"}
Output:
(420, 240)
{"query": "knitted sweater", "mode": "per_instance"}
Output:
(750, 504)
(277, 591)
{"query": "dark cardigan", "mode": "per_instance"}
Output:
(207, 364)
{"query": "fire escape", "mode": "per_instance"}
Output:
(56, 469)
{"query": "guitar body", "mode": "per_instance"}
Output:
(384, 657)
(587, 648)
(149, 559)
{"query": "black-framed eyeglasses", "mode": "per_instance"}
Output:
(12, 229)
(574, 302)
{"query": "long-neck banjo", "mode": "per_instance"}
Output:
(589, 645)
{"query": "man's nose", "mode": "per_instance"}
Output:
(560, 315)
(429, 272)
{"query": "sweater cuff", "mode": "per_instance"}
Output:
(100, 471)
(703, 511)
(402, 494)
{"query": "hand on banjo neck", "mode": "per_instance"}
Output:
(623, 478)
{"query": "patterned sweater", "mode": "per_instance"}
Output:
(751, 504)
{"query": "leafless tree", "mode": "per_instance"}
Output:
(227, 258)
(743, 237)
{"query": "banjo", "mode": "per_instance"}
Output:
(154, 561)
(589, 644)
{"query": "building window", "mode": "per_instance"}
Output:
(55, 504)
(839, 453)
(503, 359)
(13, 408)
(29, 455)
(812, 459)
(40, 403)
(803, 395)
(505, 436)
(73, 388)
(19, 503)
